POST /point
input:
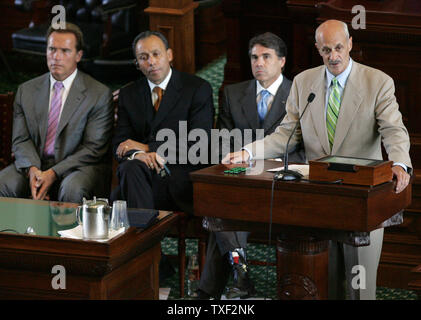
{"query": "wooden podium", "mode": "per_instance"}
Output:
(308, 214)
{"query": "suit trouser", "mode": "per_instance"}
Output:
(353, 270)
(142, 187)
(217, 268)
(73, 187)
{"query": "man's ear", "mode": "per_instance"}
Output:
(79, 55)
(317, 47)
(169, 54)
(283, 61)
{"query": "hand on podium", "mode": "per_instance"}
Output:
(402, 178)
(236, 157)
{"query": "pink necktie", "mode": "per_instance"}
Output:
(53, 117)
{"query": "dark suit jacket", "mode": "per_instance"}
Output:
(84, 130)
(187, 104)
(239, 110)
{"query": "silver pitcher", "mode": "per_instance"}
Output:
(94, 216)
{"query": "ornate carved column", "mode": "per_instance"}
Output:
(302, 268)
(175, 19)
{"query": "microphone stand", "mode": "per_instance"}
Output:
(286, 174)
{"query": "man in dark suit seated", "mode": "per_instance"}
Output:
(165, 101)
(62, 126)
(254, 104)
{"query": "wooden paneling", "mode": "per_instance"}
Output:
(210, 34)
(175, 19)
(11, 20)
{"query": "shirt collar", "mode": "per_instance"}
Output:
(163, 85)
(67, 83)
(342, 78)
(273, 88)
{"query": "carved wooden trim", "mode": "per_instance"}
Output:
(308, 246)
(297, 287)
(170, 11)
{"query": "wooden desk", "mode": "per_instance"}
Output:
(125, 267)
(320, 211)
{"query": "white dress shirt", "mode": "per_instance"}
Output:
(163, 85)
(273, 89)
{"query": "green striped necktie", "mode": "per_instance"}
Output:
(333, 111)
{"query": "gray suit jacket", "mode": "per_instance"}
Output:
(84, 130)
(369, 115)
(239, 110)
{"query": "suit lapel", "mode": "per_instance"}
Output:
(142, 103)
(350, 104)
(248, 104)
(169, 99)
(73, 102)
(317, 110)
(140, 110)
(277, 109)
(42, 107)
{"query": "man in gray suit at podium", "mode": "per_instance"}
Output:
(353, 112)
(62, 124)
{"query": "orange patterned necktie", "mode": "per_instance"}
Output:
(159, 92)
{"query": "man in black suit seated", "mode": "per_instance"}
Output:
(254, 104)
(168, 103)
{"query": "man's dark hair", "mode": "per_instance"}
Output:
(147, 34)
(70, 28)
(271, 41)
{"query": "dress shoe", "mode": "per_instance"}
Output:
(202, 295)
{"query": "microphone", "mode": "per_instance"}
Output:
(291, 175)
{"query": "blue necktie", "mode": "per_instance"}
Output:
(262, 107)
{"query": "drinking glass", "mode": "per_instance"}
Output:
(119, 218)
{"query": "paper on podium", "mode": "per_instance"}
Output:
(304, 169)
(76, 233)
